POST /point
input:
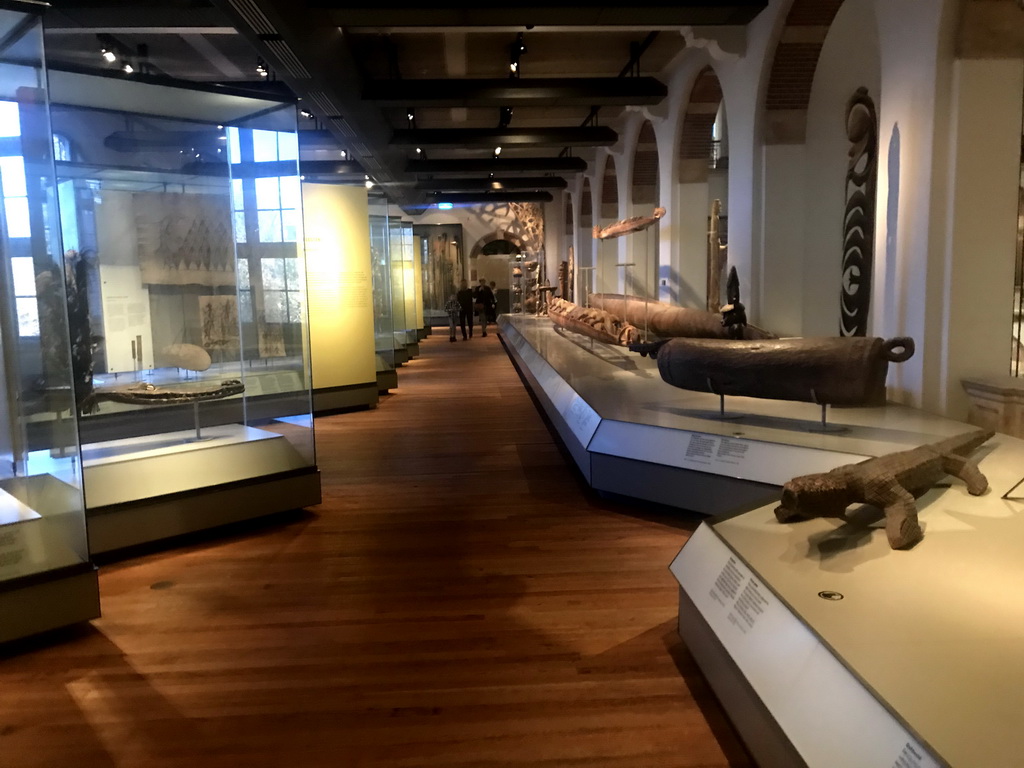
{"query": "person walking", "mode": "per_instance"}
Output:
(465, 299)
(453, 309)
(483, 298)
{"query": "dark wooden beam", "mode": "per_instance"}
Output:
(576, 136)
(497, 166)
(482, 198)
(398, 13)
(483, 185)
(508, 92)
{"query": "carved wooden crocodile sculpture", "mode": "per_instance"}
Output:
(890, 482)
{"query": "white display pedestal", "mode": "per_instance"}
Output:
(825, 644)
(632, 434)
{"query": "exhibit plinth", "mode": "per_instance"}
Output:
(632, 434)
(824, 643)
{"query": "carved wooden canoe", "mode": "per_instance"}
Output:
(143, 393)
(833, 371)
(669, 321)
(595, 323)
(628, 226)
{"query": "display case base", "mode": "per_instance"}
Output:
(156, 519)
(54, 600)
(413, 349)
(386, 380)
(402, 355)
(345, 398)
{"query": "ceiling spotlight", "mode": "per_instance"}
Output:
(108, 56)
(344, 154)
(261, 68)
(368, 182)
(514, 66)
(497, 185)
(497, 151)
(306, 114)
(127, 68)
(410, 115)
(419, 150)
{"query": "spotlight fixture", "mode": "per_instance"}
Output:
(497, 151)
(419, 150)
(108, 55)
(306, 114)
(127, 68)
(344, 154)
(368, 183)
(261, 68)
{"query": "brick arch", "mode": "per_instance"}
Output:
(793, 66)
(478, 246)
(645, 168)
(695, 136)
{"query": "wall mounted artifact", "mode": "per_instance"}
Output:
(859, 217)
(628, 226)
(891, 483)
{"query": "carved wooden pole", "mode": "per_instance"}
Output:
(716, 259)
(859, 218)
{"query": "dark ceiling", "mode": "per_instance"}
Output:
(419, 96)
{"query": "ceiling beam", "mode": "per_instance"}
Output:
(474, 13)
(575, 136)
(497, 166)
(488, 184)
(482, 198)
(509, 92)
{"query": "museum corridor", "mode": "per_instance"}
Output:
(459, 599)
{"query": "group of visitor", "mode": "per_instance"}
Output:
(468, 302)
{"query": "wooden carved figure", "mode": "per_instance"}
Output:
(891, 483)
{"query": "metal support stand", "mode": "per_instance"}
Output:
(824, 426)
(195, 414)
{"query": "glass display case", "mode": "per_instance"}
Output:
(47, 579)
(181, 219)
(523, 280)
(383, 306)
(403, 287)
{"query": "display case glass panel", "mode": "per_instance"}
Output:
(42, 512)
(383, 305)
(402, 298)
(181, 216)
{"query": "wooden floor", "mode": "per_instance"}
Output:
(459, 599)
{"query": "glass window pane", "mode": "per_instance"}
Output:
(291, 192)
(234, 146)
(242, 267)
(10, 123)
(239, 226)
(291, 273)
(28, 317)
(294, 306)
(264, 146)
(270, 226)
(274, 303)
(288, 146)
(237, 195)
(12, 174)
(17, 217)
(267, 193)
(24, 276)
(245, 306)
(291, 222)
(273, 273)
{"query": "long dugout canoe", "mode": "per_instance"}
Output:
(827, 371)
(669, 321)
